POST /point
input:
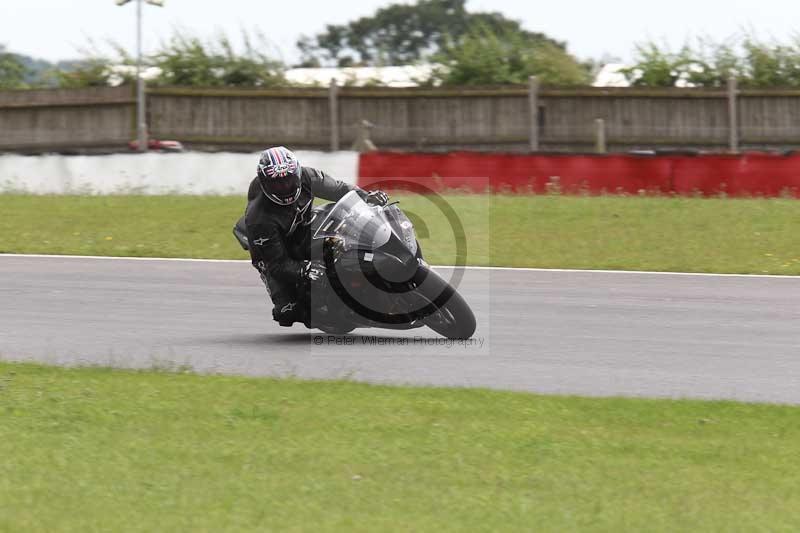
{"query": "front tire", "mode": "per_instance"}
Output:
(453, 317)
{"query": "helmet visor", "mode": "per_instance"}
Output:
(283, 190)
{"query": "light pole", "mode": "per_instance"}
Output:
(141, 117)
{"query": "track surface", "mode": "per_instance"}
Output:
(584, 333)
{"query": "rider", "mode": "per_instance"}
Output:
(278, 221)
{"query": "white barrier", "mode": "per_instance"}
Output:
(153, 173)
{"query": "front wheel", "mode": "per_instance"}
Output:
(453, 317)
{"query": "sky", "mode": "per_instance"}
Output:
(60, 29)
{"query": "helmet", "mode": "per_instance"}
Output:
(279, 175)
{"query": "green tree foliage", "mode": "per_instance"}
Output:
(191, 62)
(93, 72)
(183, 60)
(12, 71)
(655, 67)
(487, 57)
(770, 64)
(400, 34)
(753, 62)
(22, 71)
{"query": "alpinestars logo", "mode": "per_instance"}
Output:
(288, 307)
(261, 242)
(298, 216)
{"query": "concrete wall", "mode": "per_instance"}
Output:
(186, 173)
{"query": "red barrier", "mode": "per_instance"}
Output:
(744, 175)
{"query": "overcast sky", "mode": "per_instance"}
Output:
(58, 29)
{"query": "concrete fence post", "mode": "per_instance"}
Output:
(533, 104)
(600, 144)
(733, 115)
(333, 104)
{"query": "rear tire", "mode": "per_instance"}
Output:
(453, 319)
(336, 330)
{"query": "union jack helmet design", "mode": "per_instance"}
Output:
(279, 175)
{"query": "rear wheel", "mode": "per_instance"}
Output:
(453, 317)
(337, 330)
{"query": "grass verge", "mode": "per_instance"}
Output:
(662, 234)
(101, 450)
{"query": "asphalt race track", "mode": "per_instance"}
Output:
(584, 333)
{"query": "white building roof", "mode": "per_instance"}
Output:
(405, 76)
(611, 76)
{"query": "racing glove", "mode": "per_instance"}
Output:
(313, 272)
(377, 198)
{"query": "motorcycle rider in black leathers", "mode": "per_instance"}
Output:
(279, 211)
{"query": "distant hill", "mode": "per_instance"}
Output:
(37, 68)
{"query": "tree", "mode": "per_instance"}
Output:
(189, 61)
(487, 57)
(93, 72)
(753, 62)
(405, 33)
(770, 64)
(12, 71)
(656, 67)
(183, 60)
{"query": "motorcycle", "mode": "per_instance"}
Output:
(376, 274)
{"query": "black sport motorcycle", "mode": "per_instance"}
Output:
(376, 274)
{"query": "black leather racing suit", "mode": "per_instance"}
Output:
(280, 239)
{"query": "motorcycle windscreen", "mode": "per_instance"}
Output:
(402, 227)
(357, 224)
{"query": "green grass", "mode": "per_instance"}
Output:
(100, 450)
(664, 234)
